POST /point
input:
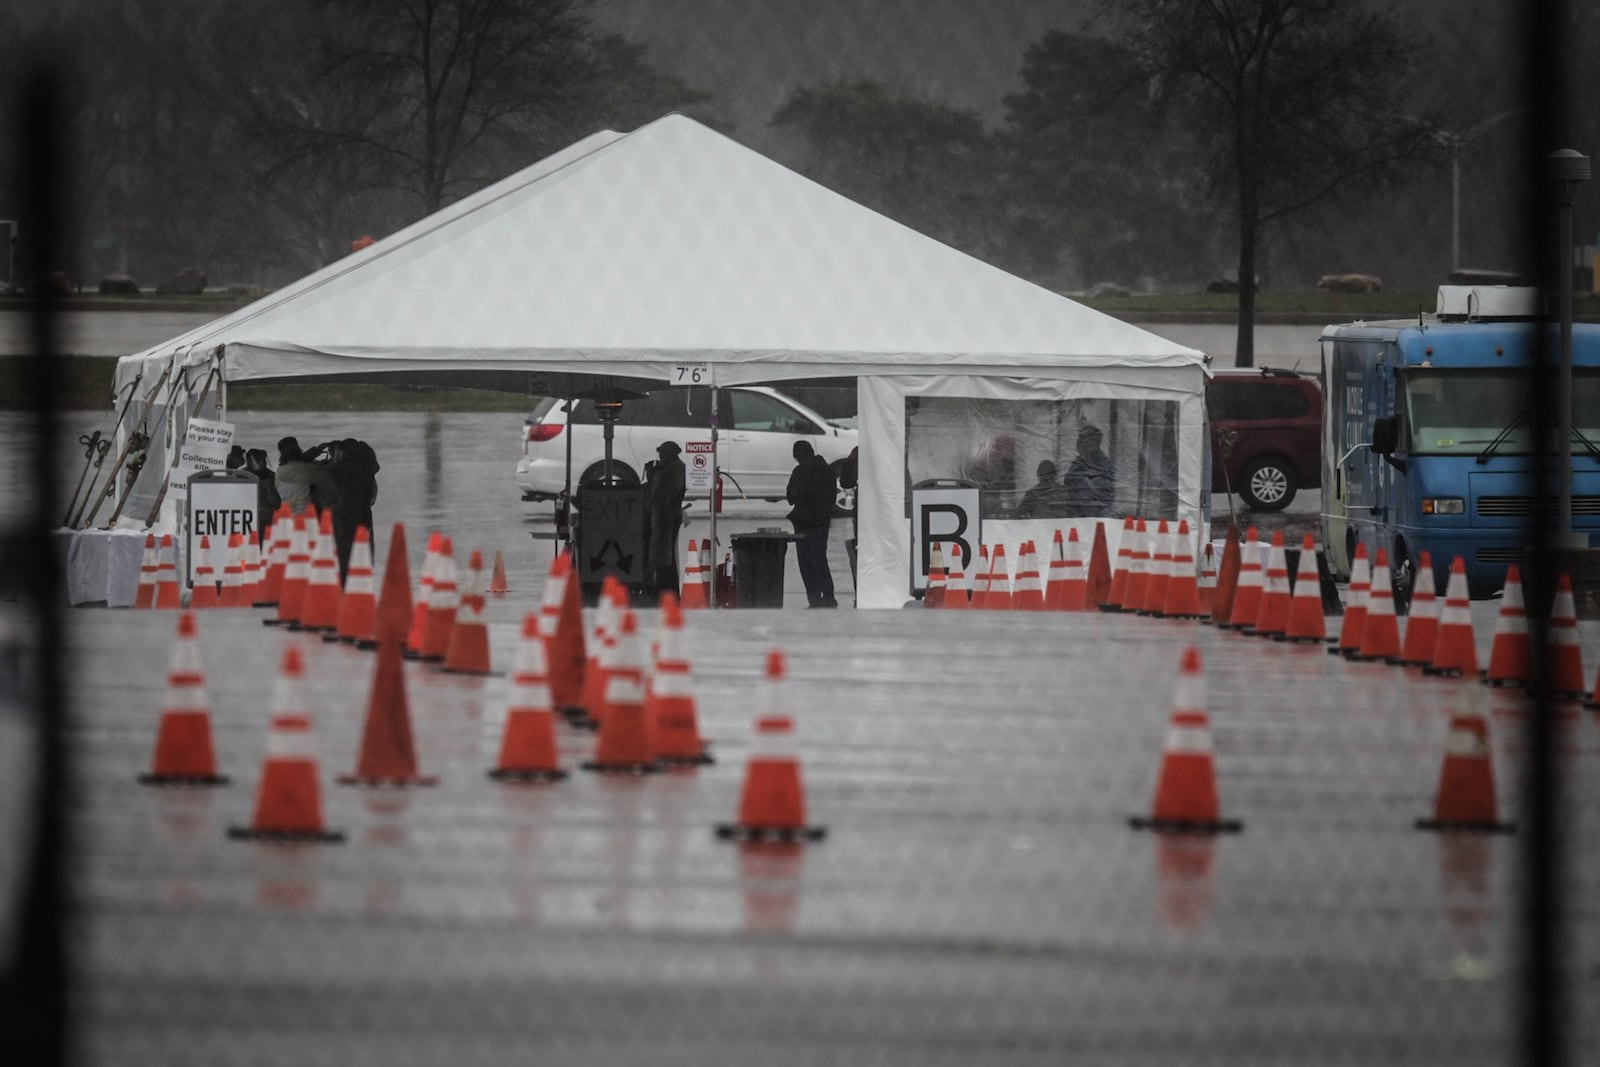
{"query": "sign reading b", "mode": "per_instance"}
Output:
(948, 514)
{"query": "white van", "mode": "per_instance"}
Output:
(758, 427)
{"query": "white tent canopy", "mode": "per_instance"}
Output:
(625, 255)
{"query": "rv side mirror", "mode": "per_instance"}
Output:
(1385, 435)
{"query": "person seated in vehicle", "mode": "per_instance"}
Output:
(1089, 481)
(1047, 499)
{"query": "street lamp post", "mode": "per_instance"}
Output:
(1456, 140)
(1568, 169)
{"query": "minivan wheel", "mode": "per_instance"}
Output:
(1267, 485)
(620, 472)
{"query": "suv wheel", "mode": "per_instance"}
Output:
(1268, 484)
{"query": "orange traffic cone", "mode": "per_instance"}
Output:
(296, 575)
(358, 607)
(561, 623)
(1466, 799)
(468, 649)
(497, 577)
(424, 598)
(670, 705)
(184, 754)
(1055, 572)
(1098, 580)
(1029, 595)
(289, 798)
(1355, 608)
(1138, 568)
(957, 593)
(1186, 792)
(1248, 587)
(232, 573)
(1183, 592)
(1272, 610)
(394, 596)
(980, 579)
(1155, 587)
(528, 743)
(999, 585)
(1228, 579)
(277, 555)
(772, 804)
(443, 602)
(149, 567)
(319, 606)
(625, 745)
(254, 574)
(1206, 589)
(1422, 620)
(1594, 697)
(933, 595)
(694, 579)
(1456, 653)
(1118, 593)
(204, 592)
(1069, 588)
(602, 647)
(1380, 634)
(168, 594)
(1563, 665)
(1511, 655)
(388, 755)
(1305, 623)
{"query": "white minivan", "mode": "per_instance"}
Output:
(758, 427)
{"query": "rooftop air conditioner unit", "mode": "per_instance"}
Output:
(1459, 303)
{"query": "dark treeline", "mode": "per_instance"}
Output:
(1159, 144)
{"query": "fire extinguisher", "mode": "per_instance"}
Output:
(718, 495)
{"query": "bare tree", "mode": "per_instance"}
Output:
(1290, 102)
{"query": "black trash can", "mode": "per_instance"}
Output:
(758, 560)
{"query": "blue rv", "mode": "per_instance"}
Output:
(1436, 437)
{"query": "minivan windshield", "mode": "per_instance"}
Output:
(1459, 411)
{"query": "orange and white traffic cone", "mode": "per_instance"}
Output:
(232, 573)
(669, 704)
(1563, 663)
(1456, 653)
(1186, 791)
(296, 575)
(602, 646)
(957, 593)
(1055, 572)
(1029, 595)
(561, 623)
(319, 606)
(1138, 568)
(443, 601)
(1183, 591)
(184, 754)
(1248, 587)
(1070, 589)
(468, 649)
(277, 555)
(358, 607)
(149, 566)
(1272, 611)
(1422, 619)
(1306, 624)
(1380, 634)
(528, 742)
(1466, 797)
(204, 592)
(1511, 655)
(625, 745)
(694, 579)
(255, 574)
(497, 576)
(424, 598)
(1118, 593)
(1355, 607)
(933, 594)
(168, 595)
(999, 586)
(1155, 587)
(1227, 579)
(1206, 588)
(772, 804)
(980, 579)
(289, 797)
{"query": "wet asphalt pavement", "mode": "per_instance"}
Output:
(979, 898)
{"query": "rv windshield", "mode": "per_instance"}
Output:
(1462, 411)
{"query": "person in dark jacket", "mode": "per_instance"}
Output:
(302, 483)
(1090, 481)
(267, 501)
(353, 465)
(812, 491)
(664, 513)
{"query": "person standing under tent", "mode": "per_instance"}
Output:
(811, 490)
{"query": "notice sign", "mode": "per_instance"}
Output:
(948, 515)
(697, 457)
(205, 448)
(221, 503)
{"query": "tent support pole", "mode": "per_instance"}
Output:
(716, 478)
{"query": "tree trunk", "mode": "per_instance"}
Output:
(1249, 230)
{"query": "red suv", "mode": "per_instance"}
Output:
(1266, 435)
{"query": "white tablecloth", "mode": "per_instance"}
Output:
(102, 566)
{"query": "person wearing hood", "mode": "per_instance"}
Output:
(664, 516)
(255, 461)
(301, 483)
(354, 467)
